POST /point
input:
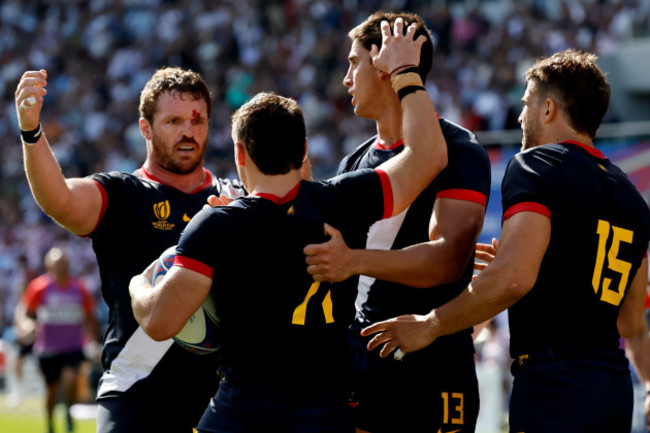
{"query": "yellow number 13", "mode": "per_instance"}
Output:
(619, 235)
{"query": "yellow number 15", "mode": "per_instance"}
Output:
(613, 297)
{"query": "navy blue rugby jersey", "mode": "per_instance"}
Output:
(466, 177)
(600, 227)
(280, 329)
(141, 217)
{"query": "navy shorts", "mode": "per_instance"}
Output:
(427, 391)
(53, 365)
(586, 399)
(235, 411)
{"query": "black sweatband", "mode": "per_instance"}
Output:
(31, 137)
(408, 90)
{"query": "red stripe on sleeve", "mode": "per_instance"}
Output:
(194, 265)
(388, 193)
(647, 301)
(527, 206)
(102, 211)
(464, 194)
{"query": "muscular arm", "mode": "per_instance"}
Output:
(630, 316)
(637, 349)
(425, 150)
(524, 240)
(73, 203)
(453, 230)
(163, 310)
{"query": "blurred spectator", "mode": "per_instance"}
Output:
(56, 309)
(493, 371)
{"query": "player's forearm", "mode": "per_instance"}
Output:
(417, 266)
(493, 291)
(638, 351)
(46, 179)
(146, 309)
(425, 151)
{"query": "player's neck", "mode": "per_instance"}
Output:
(278, 185)
(561, 131)
(183, 182)
(389, 127)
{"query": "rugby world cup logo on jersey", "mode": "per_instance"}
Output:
(162, 210)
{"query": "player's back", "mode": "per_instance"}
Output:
(276, 322)
(599, 235)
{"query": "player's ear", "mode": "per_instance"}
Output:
(551, 108)
(240, 154)
(145, 128)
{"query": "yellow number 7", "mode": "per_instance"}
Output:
(622, 267)
(301, 310)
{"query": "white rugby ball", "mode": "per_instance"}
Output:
(201, 332)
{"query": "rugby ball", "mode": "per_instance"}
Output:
(200, 334)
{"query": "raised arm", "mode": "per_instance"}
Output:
(73, 203)
(425, 149)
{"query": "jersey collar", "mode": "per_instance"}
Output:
(380, 146)
(207, 179)
(277, 199)
(590, 149)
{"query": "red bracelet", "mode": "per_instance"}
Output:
(399, 68)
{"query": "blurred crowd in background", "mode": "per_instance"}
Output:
(99, 54)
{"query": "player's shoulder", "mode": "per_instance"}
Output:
(461, 140)
(546, 155)
(108, 177)
(351, 161)
(40, 282)
(456, 134)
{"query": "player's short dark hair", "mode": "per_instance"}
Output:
(272, 128)
(368, 33)
(578, 85)
(172, 80)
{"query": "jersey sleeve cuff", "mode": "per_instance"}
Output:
(194, 265)
(388, 193)
(527, 206)
(102, 211)
(464, 194)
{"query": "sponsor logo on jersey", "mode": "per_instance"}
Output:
(162, 210)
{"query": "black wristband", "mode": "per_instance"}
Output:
(408, 90)
(31, 137)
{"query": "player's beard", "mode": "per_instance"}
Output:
(532, 131)
(164, 155)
